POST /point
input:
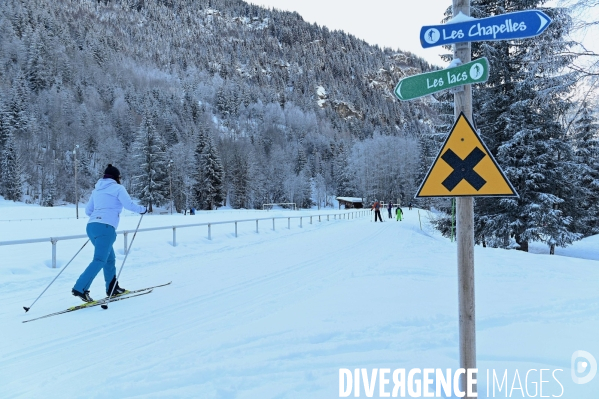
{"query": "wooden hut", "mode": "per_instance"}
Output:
(350, 202)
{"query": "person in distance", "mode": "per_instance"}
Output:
(377, 210)
(104, 208)
(399, 213)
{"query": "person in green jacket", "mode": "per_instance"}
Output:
(399, 213)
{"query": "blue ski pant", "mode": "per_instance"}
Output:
(102, 237)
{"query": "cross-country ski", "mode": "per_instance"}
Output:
(89, 305)
(127, 294)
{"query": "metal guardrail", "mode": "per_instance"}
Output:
(54, 240)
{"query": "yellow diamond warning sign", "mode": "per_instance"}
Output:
(465, 168)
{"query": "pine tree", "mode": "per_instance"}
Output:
(320, 190)
(150, 183)
(300, 159)
(306, 189)
(180, 158)
(240, 181)
(12, 175)
(38, 73)
(210, 192)
(18, 105)
(199, 198)
(586, 136)
(344, 178)
(6, 122)
(518, 113)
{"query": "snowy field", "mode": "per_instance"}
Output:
(277, 314)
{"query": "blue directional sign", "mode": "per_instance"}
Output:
(515, 25)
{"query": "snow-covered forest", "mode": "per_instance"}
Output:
(537, 114)
(258, 105)
(218, 102)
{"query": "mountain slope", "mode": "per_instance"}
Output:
(87, 73)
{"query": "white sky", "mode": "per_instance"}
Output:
(388, 23)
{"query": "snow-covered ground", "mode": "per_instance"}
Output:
(277, 314)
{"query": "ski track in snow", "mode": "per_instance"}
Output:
(276, 314)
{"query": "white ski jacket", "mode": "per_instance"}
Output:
(107, 201)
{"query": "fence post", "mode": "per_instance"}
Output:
(273, 224)
(310, 219)
(53, 252)
(125, 238)
(289, 223)
(174, 236)
(235, 229)
(301, 222)
(209, 232)
(256, 225)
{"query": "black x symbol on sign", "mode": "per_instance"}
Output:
(463, 169)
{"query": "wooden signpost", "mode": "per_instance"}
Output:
(465, 168)
(465, 225)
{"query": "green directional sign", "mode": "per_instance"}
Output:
(431, 82)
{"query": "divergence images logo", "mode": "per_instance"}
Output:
(432, 36)
(583, 363)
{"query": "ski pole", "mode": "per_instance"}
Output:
(105, 306)
(27, 308)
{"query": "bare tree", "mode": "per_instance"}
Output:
(585, 14)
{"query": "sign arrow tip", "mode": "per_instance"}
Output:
(398, 90)
(544, 22)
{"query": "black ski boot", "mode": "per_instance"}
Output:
(117, 290)
(83, 296)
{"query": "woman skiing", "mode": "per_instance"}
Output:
(104, 209)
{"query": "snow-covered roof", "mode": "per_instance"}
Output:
(349, 199)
